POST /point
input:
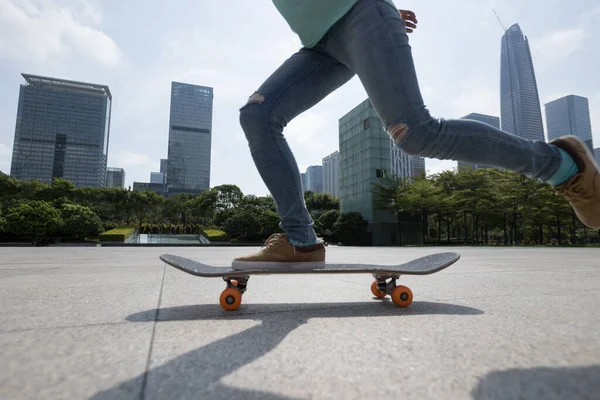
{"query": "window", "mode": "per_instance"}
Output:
(366, 124)
(380, 173)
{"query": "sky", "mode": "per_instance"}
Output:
(138, 47)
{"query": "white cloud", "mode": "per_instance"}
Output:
(559, 44)
(477, 96)
(135, 165)
(40, 30)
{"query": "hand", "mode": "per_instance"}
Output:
(410, 20)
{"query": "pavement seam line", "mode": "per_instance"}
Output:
(149, 360)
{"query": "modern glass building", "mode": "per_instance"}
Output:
(190, 138)
(303, 179)
(62, 131)
(418, 166)
(331, 174)
(520, 111)
(486, 119)
(115, 178)
(157, 177)
(597, 154)
(314, 178)
(364, 157)
(570, 115)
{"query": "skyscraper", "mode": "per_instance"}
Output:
(570, 115)
(486, 119)
(314, 178)
(519, 99)
(164, 165)
(402, 163)
(157, 177)
(190, 138)
(418, 166)
(115, 177)
(303, 179)
(331, 170)
(62, 131)
(364, 157)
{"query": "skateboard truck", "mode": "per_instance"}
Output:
(385, 284)
(231, 298)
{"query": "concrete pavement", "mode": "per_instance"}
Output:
(116, 323)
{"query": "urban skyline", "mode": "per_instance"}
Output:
(569, 115)
(118, 153)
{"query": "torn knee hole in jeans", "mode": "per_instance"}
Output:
(398, 132)
(256, 98)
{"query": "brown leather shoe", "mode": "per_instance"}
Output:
(279, 253)
(583, 190)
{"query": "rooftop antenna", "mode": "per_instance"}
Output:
(499, 21)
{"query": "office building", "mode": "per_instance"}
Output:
(365, 156)
(303, 179)
(486, 119)
(401, 163)
(314, 178)
(164, 165)
(62, 131)
(157, 188)
(115, 178)
(569, 115)
(597, 154)
(519, 99)
(157, 177)
(331, 170)
(190, 138)
(418, 167)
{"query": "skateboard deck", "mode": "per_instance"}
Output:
(384, 284)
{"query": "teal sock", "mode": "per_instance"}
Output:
(566, 171)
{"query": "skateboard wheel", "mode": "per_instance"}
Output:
(402, 296)
(375, 290)
(231, 299)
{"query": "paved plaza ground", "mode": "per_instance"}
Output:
(116, 323)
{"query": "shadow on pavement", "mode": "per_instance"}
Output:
(197, 374)
(576, 383)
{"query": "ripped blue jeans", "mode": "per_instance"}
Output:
(371, 42)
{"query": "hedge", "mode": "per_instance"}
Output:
(116, 235)
(215, 235)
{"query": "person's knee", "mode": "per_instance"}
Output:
(252, 115)
(416, 138)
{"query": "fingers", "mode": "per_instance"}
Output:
(410, 20)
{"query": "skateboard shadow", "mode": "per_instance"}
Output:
(540, 383)
(197, 374)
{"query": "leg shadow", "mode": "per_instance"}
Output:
(198, 373)
(575, 383)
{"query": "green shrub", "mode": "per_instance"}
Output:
(215, 235)
(116, 235)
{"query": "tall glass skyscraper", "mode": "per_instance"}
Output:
(364, 157)
(62, 131)
(190, 138)
(521, 114)
(570, 115)
(314, 178)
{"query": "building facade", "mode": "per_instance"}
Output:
(190, 138)
(157, 177)
(331, 174)
(314, 178)
(569, 115)
(418, 167)
(520, 112)
(365, 156)
(486, 119)
(115, 178)
(157, 188)
(597, 154)
(62, 131)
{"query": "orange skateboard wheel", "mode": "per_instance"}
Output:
(402, 296)
(375, 290)
(231, 299)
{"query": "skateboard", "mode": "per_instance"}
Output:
(383, 285)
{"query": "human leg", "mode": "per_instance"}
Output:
(371, 39)
(301, 82)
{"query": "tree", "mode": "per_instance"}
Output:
(390, 194)
(33, 219)
(328, 220)
(80, 221)
(143, 204)
(203, 207)
(352, 229)
(242, 223)
(228, 196)
(321, 202)
(422, 198)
